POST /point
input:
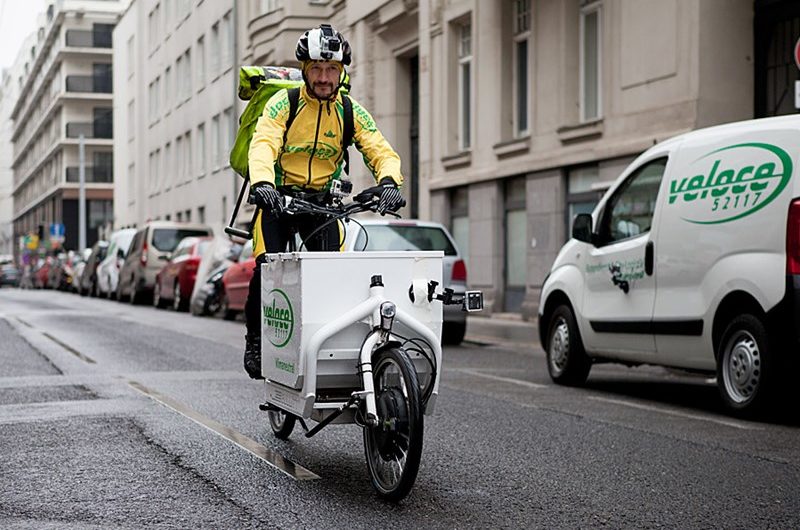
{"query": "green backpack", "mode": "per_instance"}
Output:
(256, 85)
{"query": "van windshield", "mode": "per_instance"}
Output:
(166, 239)
(398, 237)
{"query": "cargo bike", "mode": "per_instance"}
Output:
(355, 337)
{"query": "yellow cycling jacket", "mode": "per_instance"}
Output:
(313, 154)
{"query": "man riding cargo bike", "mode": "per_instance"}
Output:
(348, 337)
(299, 144)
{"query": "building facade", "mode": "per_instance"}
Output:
(510, 116)
(175, 112)
(65, 93)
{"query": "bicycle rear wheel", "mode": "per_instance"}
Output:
(393, 448)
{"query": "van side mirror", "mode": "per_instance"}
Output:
(582, 227)
(120, 253)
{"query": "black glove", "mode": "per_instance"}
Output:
(265, 196)
(390, 199)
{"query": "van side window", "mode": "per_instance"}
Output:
(630, 211)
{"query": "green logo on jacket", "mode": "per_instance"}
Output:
(721, 188)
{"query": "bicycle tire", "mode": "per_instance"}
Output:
(282, 423)
(393, 448)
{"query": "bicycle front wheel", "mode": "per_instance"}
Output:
(394, 447)
(282, 423)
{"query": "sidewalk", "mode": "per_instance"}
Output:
(502, 328)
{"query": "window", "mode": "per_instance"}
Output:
(188, 216)
(151, 173)
(464, 85)
(131, 183)
(168, 169)
(131, 120)
(590, 55)
(201, 63)
(215, 142)
(131, 57)
(520, 54)
(156, 172)
(201, 149)
(187, 145)
(268, 6)
(227, 134)
(583, 193)
(187, 74)
(179, 160)
(215, 44)
(167, 89)
(459, 220)
(226, 44)
(629, 212)
(201, 214)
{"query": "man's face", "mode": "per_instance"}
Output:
(323, 78)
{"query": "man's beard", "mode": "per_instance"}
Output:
(330, 91)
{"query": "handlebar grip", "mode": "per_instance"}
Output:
(237, 232)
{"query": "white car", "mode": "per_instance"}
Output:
(409, 234)
(108, 270)
(691, 260)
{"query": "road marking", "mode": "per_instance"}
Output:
(500, 378)
(70, 349)
(274, 459)
(640, 406)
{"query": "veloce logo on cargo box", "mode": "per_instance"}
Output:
(729, 191)
(278, 317)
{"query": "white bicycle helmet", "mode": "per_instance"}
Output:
(323, 44)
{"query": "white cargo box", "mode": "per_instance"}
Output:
(303, 291)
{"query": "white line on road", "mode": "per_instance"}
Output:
(728, 423)
(500, 378)
(284, 465)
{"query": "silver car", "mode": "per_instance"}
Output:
(409, 234)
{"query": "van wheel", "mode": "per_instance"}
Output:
(567, 361)
(746, 369)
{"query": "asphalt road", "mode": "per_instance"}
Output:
(96, 431)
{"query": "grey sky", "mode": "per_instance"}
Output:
(17, 21)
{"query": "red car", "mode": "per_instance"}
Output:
(175, 280)
(236, 282)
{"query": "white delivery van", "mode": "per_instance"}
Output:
(690, 260)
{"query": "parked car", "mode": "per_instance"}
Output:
(150, 247)
(88, 282)
(77, 270)
(410, 234)
(9, 275)
(108, 269)
(175, 281)
(690, 260)
(236, 282)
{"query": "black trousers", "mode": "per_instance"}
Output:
(277, 231)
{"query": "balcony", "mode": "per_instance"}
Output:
(94, 174)
(89, 83)
(86, 38)
(97, 129)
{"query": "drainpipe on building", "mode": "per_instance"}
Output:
(81, 194)
(235, 91)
